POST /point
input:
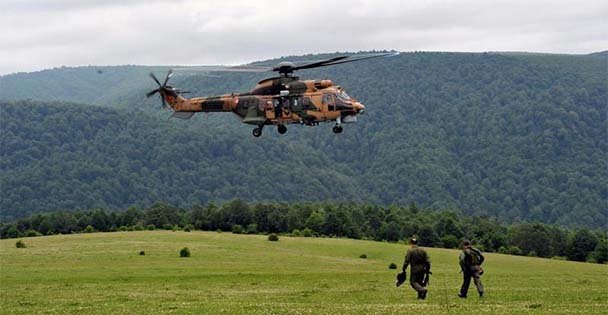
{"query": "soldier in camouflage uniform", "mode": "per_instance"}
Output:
(420, 264)
(470, 260)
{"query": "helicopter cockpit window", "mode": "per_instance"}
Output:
(342, 96)
(328, 98)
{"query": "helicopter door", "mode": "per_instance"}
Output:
(328, 99)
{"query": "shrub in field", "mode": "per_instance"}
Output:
(138, 227)
(32, 233)
(218, 230)
(307, 232)
(450, 241)
(364, 256)
(510, 250)
(142, 253)
(167, 226)
(273, 237)
(252, 228)
(185, 252)
(296, 232)
(392, 266)
(237, 229)
(89, 229)
(20, 244)
(150, 227)
(123, 228)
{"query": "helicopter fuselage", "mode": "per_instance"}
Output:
(276, 101)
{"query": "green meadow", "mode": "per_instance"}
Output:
(103, 273)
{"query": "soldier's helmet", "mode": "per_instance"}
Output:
(400, 279)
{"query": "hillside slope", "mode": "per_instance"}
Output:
(517, 137)
(103, 273)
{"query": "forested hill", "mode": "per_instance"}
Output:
(519, 137)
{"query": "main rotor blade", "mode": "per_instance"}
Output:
(169, 75)
(344, 59)
(152, 93)
(242, 68)
(155, 79)
(319, 63)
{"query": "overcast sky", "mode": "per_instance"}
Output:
(39, 34)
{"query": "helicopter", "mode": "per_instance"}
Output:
(276, 101)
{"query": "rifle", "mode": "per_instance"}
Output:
(427, 274)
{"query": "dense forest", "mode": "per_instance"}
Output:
(359, 221)
(515, 137)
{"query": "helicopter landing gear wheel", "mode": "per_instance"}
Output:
(281, 129)
(337, 129)
(257, 132)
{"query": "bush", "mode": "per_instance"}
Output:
(273, 237)
(188, 228)
(392, 266)
(167, 226)
(32, 233)
(150, 227)
(296, 232)
(89, 229)
(450, 241)
(142, 253)
(237, 229)
(185, 252)
(218, 230)
(252, 228)
(307, 232)
(139, 227)
(20, 244)
(123, 228)
(510, 250)
(364, 256)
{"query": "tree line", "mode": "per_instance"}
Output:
(325, 219)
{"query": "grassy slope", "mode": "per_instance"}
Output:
(243, 274)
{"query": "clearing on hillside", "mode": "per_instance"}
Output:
(103, 273)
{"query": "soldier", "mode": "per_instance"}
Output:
(470, 260)
(420, 266)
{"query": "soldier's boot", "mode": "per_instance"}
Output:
(481, 294)
(462, 296)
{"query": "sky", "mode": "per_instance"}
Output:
(41, 34)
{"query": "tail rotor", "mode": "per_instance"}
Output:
(162, 88)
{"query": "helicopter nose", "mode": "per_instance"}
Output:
(358, 107)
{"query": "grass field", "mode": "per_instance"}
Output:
(103, 273)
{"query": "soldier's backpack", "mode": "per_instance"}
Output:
(476, 257)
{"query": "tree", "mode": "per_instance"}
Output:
(428, 237)
(581, 245)
(601, 251)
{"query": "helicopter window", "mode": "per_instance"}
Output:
(328, 98)
(342, 96)
(306, 103)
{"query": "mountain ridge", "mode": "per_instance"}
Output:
(515, 137)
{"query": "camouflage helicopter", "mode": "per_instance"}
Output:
(278, 101)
